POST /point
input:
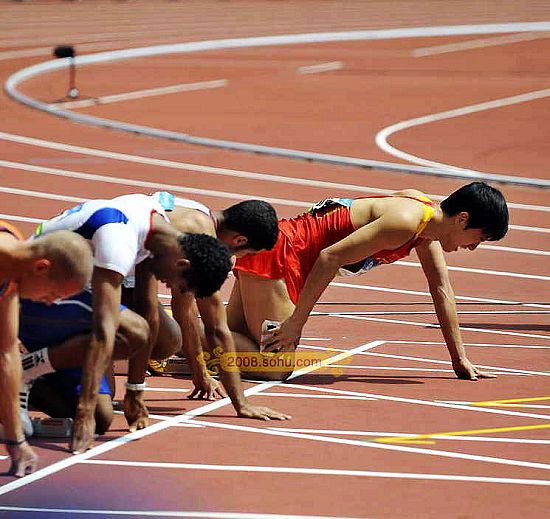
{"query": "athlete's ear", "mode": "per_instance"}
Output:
(42, 266)
(183, 264)
(462, 219)
(239, 241)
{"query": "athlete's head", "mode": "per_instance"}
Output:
(61, 265)
(479, 213)
(208, 262)
(249, 226)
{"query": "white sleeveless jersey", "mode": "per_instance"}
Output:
(168, 201)
(191, 204)
(117, 229)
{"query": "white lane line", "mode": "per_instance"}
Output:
(480, 271)
(172, 187)
(436, 326)
(167, 389)
(393, 368)
(526, 406)
(316, 471)
(170, 513)
(529, 229)
(162, 417)
(140, 183)
(140, 94)
(474, 344)
(139, 159)
(416, 401)
(495, 369)
(490, 439)
(329, 397)
(382, 136)
(320, 67)
(16, 218)
(40, 194)
(478, 43)
(373, 445)
(427, 294)
(502, 248)
(161, 425)
(515, 371)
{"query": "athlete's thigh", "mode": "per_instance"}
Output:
(235, 313)
(262, 299)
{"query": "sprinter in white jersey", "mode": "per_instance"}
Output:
(245, 228)
(127, 233)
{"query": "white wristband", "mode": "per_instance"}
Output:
(135, 387)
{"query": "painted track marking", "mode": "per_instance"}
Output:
(140, 94)
(151, 429)
(312, 471)
(428, 438)
(479, 43)
(140, 159)
(382, 136)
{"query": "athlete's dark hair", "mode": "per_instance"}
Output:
(210, 263)
(254, 219)
(486, 208)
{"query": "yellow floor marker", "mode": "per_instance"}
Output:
(516, 402)
(427, 438)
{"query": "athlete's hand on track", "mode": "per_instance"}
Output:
(207, 388)
(83, 432)
(261, 413)
(135, 411)
(465, 370)
(23, 459)
(285, 338)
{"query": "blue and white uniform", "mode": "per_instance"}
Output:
(117, 230)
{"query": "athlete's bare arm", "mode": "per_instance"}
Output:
(184, 308)
(23, 459)
(145, 304)
(185, 312)
(106, 289)
(435, 269)
(218, 335)
(388, 230)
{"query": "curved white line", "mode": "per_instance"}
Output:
(381, 138)
(29, 72)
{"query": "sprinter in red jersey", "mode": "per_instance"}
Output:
(349, 237)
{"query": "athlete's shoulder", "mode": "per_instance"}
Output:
(415, 193)
(10, 230)
(185, 219)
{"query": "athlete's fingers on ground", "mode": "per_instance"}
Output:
(220, 392)
(485, 374)
(208, 395)
(81, 445)
(194, 393)
(281, 416)
(140, 423)
(26, 467)
(467, 376)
